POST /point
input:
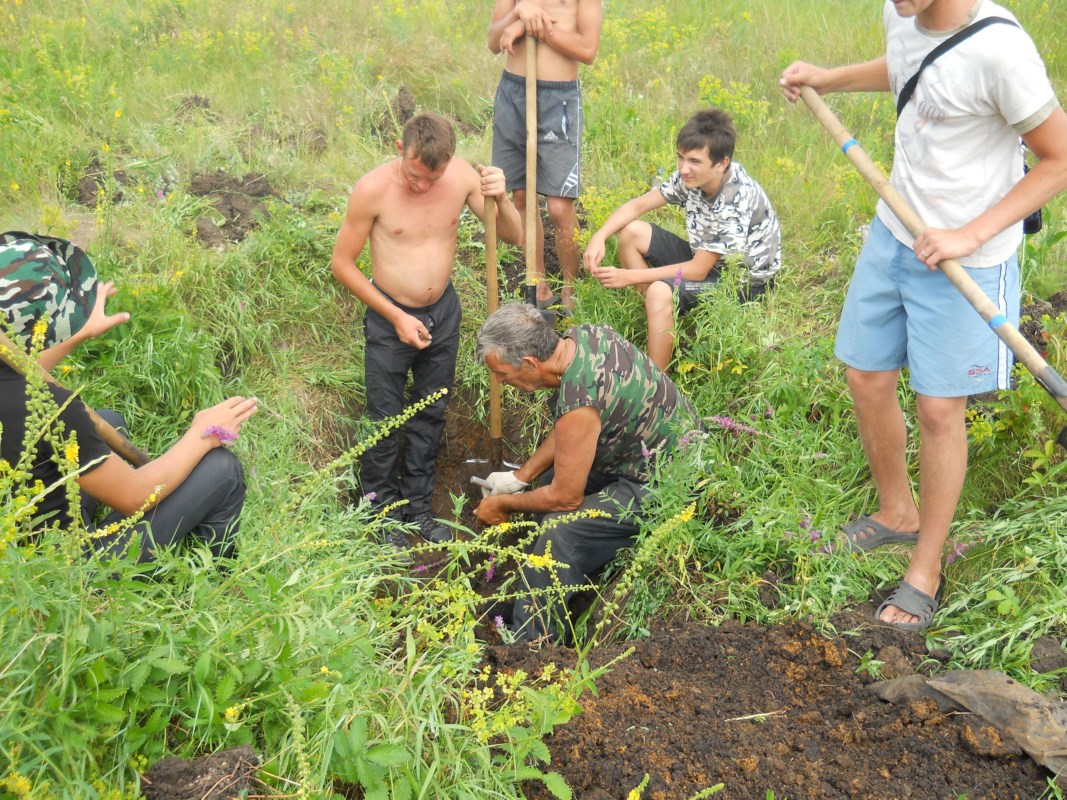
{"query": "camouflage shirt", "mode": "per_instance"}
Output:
(738, 220)
(641, 410)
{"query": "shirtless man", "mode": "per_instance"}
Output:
(570, 33)
(409, 210)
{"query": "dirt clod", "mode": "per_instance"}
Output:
(220, 776)
(894, 664)
(194, 105)
(399, 111)
(240, 201)
(95, 185)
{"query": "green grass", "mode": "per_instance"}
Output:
(336, 665)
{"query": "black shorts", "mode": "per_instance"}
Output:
(666, 249)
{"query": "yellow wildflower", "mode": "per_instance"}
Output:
(543, 562)
(71, 452)
(18, 785)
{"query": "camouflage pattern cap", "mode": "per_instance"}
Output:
(42, 277)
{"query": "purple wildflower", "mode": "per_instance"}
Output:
(787, 535)
(431, 565)
(159, 194)
(224, 435)
(815, 534)
(490, 570)
(958, 549)
(370, 496)
(805, 523)
(646, 452)
(733, 425)
(498, 621)
(678, 278)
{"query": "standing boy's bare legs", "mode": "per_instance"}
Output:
(942, 468)
(882, 430)
(544, 291)
(565, 223)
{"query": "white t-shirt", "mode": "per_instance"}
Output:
(957, 140)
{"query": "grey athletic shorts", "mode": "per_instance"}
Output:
(559, 134)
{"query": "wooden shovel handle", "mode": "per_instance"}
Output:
(491, 305)
(532, 205)
(1023, 350)
(115, 440)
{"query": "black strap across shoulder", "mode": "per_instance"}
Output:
(940, 50)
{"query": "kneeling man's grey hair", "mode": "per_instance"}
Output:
(514, 331)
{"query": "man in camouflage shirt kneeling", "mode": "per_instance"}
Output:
(615, 412)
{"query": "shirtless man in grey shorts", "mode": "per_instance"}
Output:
(569, 33)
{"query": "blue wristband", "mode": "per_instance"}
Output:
(997, 321)
(848, 144)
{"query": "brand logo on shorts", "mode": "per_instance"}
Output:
(550, 137)
(978, 371)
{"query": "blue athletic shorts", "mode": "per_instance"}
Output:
(900, 314)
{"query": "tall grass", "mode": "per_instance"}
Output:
(340, 666)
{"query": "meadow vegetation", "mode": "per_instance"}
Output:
(341, 667)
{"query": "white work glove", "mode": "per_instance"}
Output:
(502, 483)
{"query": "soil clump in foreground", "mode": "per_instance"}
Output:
(777, 709)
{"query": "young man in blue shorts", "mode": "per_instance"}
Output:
(569, 32)
(726, 214)
(957, 162)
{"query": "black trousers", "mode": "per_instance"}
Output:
(579, 547)
(383, 470)
(206, 507)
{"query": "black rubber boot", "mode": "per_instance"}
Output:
(430, 529)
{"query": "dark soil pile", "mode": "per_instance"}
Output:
(224, 775)
(240, 201)
(95, 184)
(1030, 324)
(771, 709)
